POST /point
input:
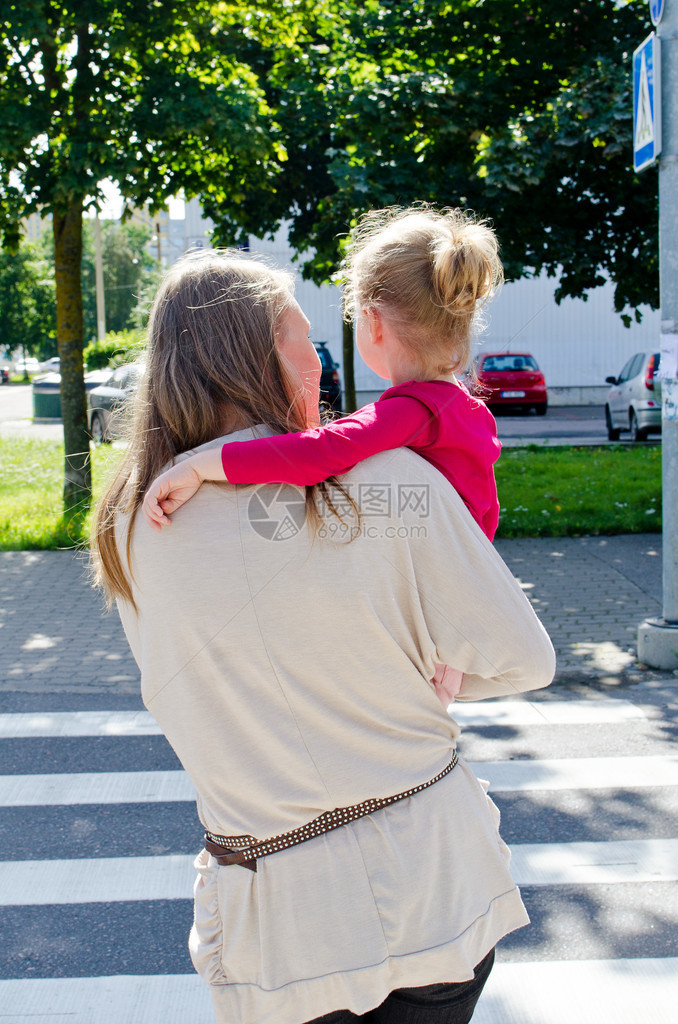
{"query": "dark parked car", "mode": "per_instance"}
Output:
(330, 386)
(512, 380)
(107, 401)
(4, 374)
(634, 402)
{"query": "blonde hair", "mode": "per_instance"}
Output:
(427, 272)
(211, 361)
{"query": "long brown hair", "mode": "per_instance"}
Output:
(212, 366)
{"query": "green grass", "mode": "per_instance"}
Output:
(544, 492)
(569, 492)
(31, 503)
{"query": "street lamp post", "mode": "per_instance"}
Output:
(658, 638)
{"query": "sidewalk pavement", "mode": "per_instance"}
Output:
(591, 593)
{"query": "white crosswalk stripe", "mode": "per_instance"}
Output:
(94, 788)
(108, 879)
(78, 723)
(141, 723)
(619, 991)
(580, 773)
(136, 999)
(522, 989)
(504, 776)
(595, 991)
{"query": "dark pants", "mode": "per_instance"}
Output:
(445, 1003)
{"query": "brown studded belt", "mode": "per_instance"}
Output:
(245, 850)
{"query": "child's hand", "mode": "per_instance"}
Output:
(168, 492)
(177, 485)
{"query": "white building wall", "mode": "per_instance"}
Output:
(577, 343)
(197, 229)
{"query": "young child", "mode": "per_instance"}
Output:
(416, 279)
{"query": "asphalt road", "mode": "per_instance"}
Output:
(579, 425)
(100, 914)
(567, 424)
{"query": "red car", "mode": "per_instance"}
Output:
(512, 380)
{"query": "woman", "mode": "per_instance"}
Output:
(286, 648)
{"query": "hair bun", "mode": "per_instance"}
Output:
(466, 264)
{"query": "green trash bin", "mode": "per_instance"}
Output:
(47, 397)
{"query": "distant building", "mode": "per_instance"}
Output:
(160, 247)
(197, 229)
(35, 225)
(577, 343)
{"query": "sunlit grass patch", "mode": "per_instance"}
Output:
(544, 492)
(568, 492)
(31, 494)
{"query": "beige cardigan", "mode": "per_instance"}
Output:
(291, 677)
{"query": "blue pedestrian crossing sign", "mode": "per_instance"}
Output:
(656, 11)
(647, 120)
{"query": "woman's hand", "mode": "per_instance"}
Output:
(177, 485)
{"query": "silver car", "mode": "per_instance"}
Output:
(107, 402)
(634, 402)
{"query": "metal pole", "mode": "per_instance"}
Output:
(99, 281)
(658, 638)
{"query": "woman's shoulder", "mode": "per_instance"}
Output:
(246, 434)
(396, 476)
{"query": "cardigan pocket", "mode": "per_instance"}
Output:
(224, 944)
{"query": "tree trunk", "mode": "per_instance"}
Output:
(67, 256)
(349, 374)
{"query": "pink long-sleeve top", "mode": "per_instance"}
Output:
(438, 419)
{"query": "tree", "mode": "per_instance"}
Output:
(149, 94)
(127, 266)
(519, 109)
(314, 111)
(27, 308)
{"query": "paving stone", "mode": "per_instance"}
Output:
(591, 593)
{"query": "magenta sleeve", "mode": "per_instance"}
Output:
(310, 456)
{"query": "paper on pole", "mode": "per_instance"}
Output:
(668, 364)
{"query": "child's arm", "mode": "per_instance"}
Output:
(310, 456)
(302, 459)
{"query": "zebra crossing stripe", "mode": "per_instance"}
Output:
(171, 877)
(123, 999)
(550, 992)
(546, 712)
(24, 725)
(55, 724)
(94, 788)
(586, 863)
(96, 880)
(629, 773)
(579, 773)
(586, 991)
